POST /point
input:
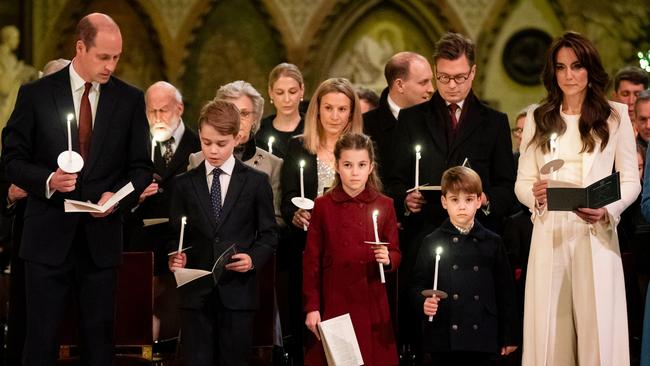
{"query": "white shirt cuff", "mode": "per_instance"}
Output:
(48, 193)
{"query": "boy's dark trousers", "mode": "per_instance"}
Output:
(214, 335)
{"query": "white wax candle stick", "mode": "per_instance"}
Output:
(271, 141)
(302, 186)
(418, 156)
(180, 240)
(302, 180)
(375, 213)
(153, 148)
(435, 274)
(554, 152)
(69, 121)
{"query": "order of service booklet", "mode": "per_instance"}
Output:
(562, 196)
(340, 342)
(80, 206)
(184, 276)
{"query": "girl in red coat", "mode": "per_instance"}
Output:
(341, 274)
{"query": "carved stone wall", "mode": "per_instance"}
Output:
(226, 49)
(201, 44)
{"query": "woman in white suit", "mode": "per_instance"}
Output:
(575, 311)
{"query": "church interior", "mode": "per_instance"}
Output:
(200, 45)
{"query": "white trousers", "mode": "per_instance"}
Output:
(573, 329)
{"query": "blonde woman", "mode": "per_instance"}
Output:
(333, 111)
(286, 91)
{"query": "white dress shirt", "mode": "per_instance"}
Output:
(224, 178)
(394, 108)
(458, 110)
(77, 85)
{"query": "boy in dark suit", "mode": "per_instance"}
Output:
(225, 203)
(478, 319)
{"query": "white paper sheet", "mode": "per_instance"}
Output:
(185, 275)
(561, 184)
(425, 187)
(79, 206)
(340, 342)
(156, 221)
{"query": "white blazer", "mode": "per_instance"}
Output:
(611, 316)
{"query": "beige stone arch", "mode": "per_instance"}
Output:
(298, 23)
(487, 37)
(224, 49)
(174, 23)
(141, 63)
(324, 49)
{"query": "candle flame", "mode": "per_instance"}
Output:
(438, 250)
(553, 136)
(70, 116)
(184, 220)
(418, 148)
(375, 213)
(271, 140)
(302, 163)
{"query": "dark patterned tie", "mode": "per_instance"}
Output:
(169, 153)
(453, 107)
(215, 193)
(85, 122)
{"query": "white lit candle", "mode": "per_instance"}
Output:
(69, 121)
(302, 186)
(435, 273)
(302, 180)
(180, 241)
(375, 214)
(554, 144)
(153, 147)
(418, 156)
(270, 143)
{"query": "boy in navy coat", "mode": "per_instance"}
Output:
(478, 319)
(225, 202)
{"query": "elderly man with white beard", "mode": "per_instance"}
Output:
(171, 142)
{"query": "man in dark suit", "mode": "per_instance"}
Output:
(225, 202)
(76, 252)
(409, 77)
(452, 128)
(173, 145)
(15, 199)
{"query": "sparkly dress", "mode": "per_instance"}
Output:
(326, 175)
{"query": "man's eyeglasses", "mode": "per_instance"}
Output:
(459, 79)
(516, 131)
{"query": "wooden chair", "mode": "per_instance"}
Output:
(133, 316)
(265, 318)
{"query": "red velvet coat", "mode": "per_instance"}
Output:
(341, 274)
